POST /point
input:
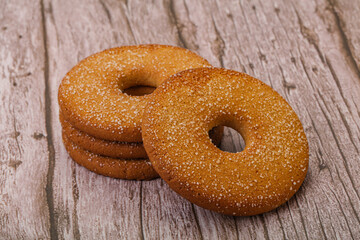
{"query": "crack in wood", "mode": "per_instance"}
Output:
(321, 164)
(236, 228)
(106, 10)
(128, 23)
(266, 233)
(219, 48)
(301, 216)
(319, 156)
(50, 12)
(306, 72)
(309, 35)
(239, 42)
(348, 129)
(343, 213)
(192, 28)
(347, 194)
(356, 112)
(337, 82)
(75, 194)
(339, 147)
(24, 75)
(196, 220)
(321, 225)
(142, 234)
(281, 225)
(174, 21)
(288, 86)
(292, 219)
(344, 38)
(49, 134)
(16, 133)
(262, 56)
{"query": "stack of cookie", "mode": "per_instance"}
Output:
(101, 110)
(105, 125)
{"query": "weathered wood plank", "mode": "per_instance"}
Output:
(86, 205)
(23, 150)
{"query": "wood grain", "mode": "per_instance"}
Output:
(308, 51)
(346, 18)
(24, 156)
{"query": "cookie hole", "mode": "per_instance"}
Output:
(232, 141)
(140, 90)
(136, 82)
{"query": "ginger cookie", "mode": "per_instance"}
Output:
(266, 174)
(91, 95)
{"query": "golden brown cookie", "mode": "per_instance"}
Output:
(263, 176)
(91, 94)
(102, 147)
(139, 169)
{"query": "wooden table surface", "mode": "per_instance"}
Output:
(308, 51)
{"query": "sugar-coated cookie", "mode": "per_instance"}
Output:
(91, 94)
(267, 173)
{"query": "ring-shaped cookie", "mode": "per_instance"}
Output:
(263, 176)
(91, 94)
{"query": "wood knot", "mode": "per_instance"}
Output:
(38, 136)
(14, 163)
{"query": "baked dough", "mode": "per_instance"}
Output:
(91, 94)
(263, 176)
